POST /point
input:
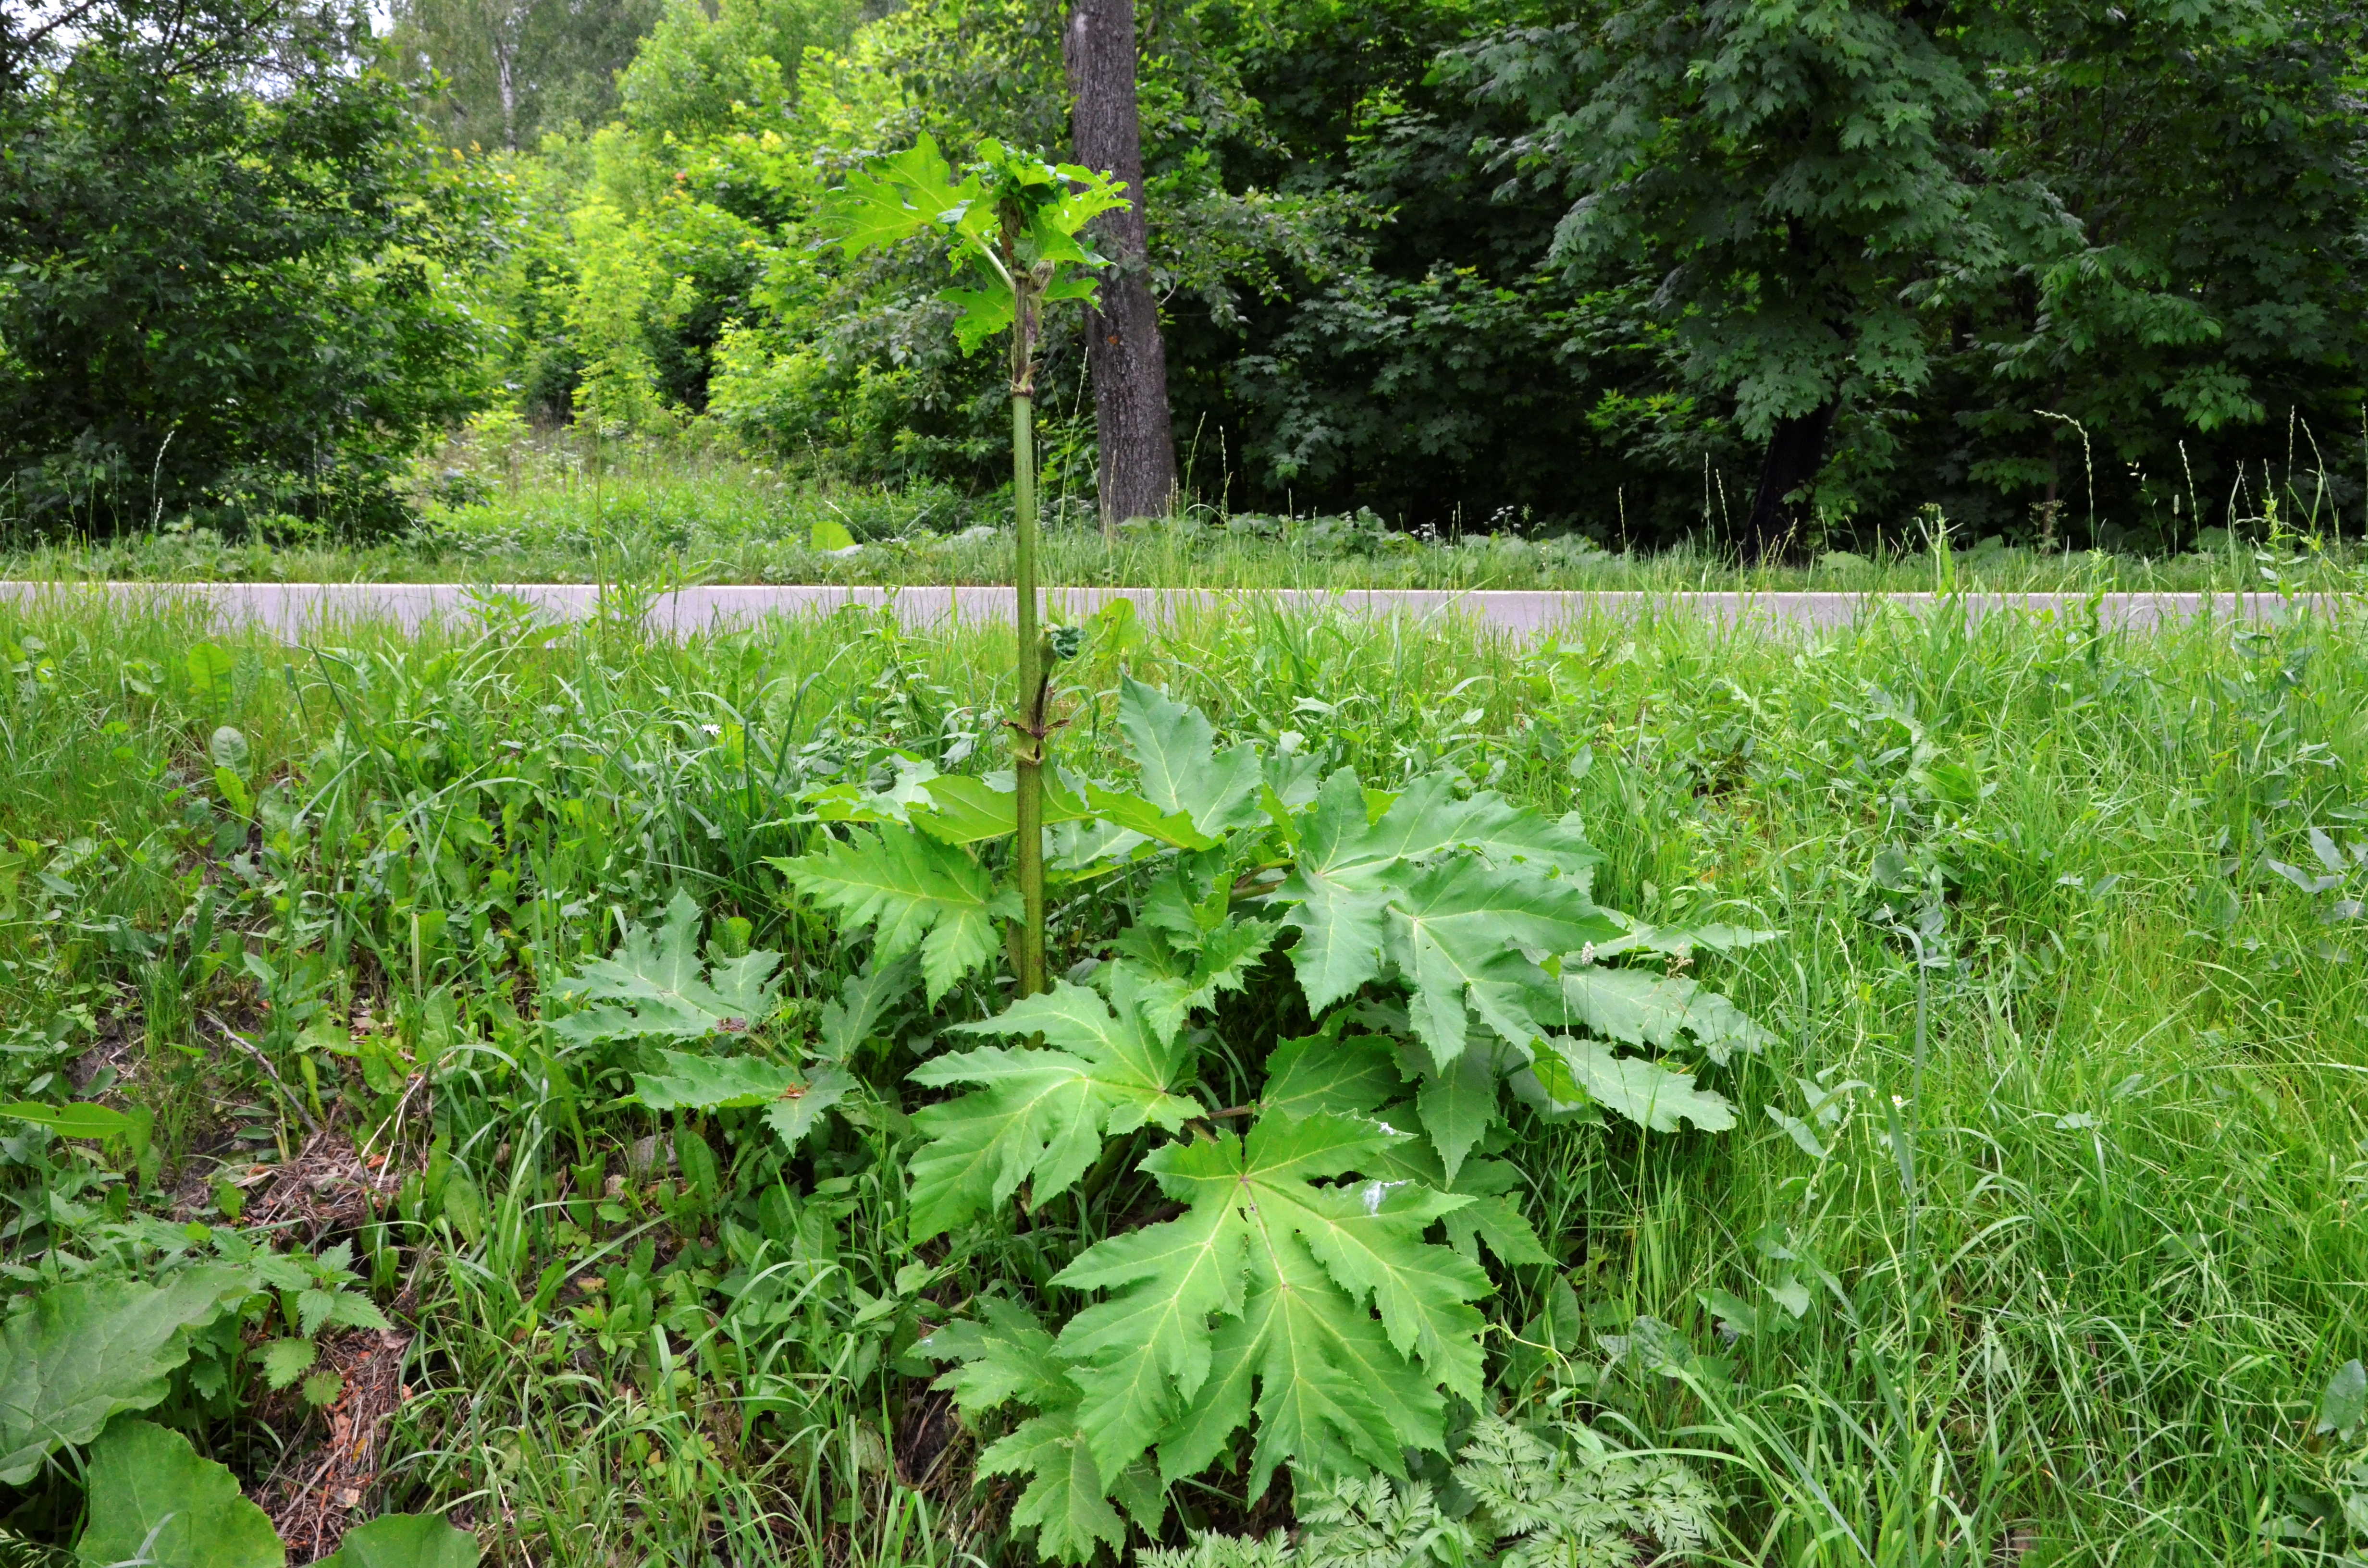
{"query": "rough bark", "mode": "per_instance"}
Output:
(1796, 450)
(1124, 356)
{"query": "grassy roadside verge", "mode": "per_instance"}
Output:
(2072, 1260)
(545, 515)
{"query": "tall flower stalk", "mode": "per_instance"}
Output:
(1011, 225)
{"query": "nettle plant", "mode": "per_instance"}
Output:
(1316, 1284)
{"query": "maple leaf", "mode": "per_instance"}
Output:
(914, 892)
(1292, 1274)
(656, 987)
(1041, 1114)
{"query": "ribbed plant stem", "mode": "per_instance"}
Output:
(1029, 752)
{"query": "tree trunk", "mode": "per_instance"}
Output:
(1796, 450)
(1123, 353)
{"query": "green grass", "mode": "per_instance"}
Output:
(2087, 1221)
(547, 512)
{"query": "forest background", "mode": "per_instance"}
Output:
(2070, 274)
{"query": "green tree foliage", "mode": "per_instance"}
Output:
(502, 74)
(221, 298)
(1924, 233)
(1784, 272)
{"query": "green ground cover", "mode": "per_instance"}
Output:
(2031, 1240)
(557, 511)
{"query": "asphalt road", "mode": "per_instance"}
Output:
(300, 612)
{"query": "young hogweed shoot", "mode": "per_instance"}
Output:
(1011, 225)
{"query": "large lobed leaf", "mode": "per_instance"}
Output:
(1004, 1356)
(915, 893)
(655, 986)
(911, 193)
(82, 1352)
(153, 1501)
(1180, 770)
(1446, 893)
(1040, 1115)
(404, 1540)
(1262, 1297)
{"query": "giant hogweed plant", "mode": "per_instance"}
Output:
(1011, 222)
(1318, 1280)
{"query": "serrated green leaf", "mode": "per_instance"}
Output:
(1490, 1217)
(690, 1082)
(983, 313)
(1222, 962)
(1454, 928)
(1501, 1227)
(155, 1501)
(1347, 1074)
(962, 810)
(1445, 892)
(914, 192)
(1333, 1389)
(1003, 1355)
(655, 986)
(864, 1001)
(914, 893)
(1573, 1073)
(285, 1361)
(1636, 1007)
(1362, 1234)
(1133, 813)
(1458, 1103)
(404, 1540)
(1175, 750)
(81, 1352)
(1064, 1501)
(350, 1309)
(1331, 1396)
(312, 1309)
(796, 1109)
(1041, 1114)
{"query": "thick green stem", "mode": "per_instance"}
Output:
(1030, 746)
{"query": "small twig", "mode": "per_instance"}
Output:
(261, 1060)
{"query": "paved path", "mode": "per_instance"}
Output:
(297, 609)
